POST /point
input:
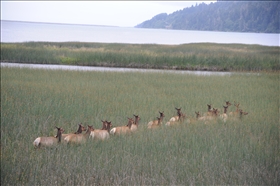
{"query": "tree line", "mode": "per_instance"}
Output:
(227, 16)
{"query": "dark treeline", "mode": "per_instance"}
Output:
(262, 16)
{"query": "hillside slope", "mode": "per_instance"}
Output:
(221, 16)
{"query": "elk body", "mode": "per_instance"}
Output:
(81, 128)
(134, 125)
(79, 138)
(194, 120)
(156, 123)
(199, 117)
(122, 129)
(179, 118)
(236, 111)
(207, 118)
(102, 134)
(49, 141)
(224, 116)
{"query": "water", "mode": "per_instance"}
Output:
(12, 31)
(110, 69)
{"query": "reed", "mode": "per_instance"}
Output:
(201, 56)
(238, 152)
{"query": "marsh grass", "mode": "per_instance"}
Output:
(201, 56)
(238, 152)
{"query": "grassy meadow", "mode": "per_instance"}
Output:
(239, 152)
(200, 56)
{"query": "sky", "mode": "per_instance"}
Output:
(110, 13)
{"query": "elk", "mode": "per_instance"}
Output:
(236, 111)
(175, 119)
(104, 125)
(241, 113)
(81, 128)
(207, 118)
(194, 120)
(228, 103)
(134, 125)
(224, 115)
(156, 123)
(198, 116)
(209, 110)
(122, 129)
(79, 138)
(102, 134)
(159, 121)
(49, 141)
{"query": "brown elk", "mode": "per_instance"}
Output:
(207, 118)
(104, 125)
(134, 125)
(179, 118)
(209, 110)
(81, 128)
(236, 111)
(122, 129)
(156, 123)
(79, 138)
(228, 103)
(102, 134)
(224, 116)
(241, 113)
(197, 115)
(49, 141)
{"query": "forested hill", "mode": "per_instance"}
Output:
(221, 16)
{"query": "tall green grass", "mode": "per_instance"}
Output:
(241, 152)
(202, 56)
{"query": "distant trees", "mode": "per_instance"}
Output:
(234, 16)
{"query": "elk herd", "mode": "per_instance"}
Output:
(83, 134)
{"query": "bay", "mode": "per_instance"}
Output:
(15, 31)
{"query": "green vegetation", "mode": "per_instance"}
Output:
(262, 16)
(241, 152)
(203, 56)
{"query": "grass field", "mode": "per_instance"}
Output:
(238, 152)
(200, 56)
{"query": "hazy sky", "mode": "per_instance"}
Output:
(114, 13)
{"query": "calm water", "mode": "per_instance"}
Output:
(110, 69)
(12, 31)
